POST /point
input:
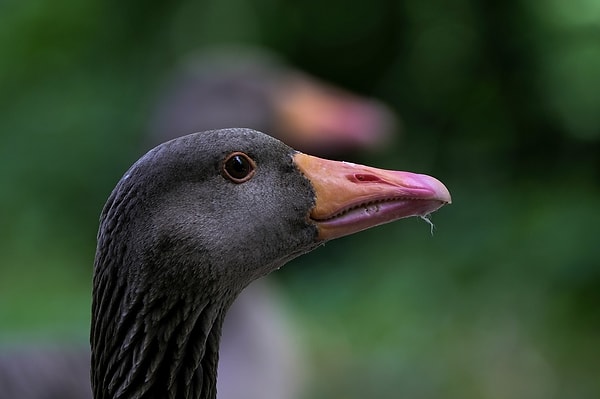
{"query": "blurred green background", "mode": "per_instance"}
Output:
(499, 101)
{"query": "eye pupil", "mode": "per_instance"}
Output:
(238, 167)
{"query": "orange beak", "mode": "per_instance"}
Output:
(312, 115)
(351, 197)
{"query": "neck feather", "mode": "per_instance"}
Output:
(149, 345)
(150, 337)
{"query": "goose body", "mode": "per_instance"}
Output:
(197, 219)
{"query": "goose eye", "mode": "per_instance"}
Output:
(238, 167)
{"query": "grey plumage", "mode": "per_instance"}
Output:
(161, 283)
(43, 372)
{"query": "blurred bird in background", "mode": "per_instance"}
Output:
(251, 87)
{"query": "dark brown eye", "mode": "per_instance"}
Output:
(238, 167)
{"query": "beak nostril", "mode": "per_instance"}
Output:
(362, 177)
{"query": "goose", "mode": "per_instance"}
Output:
(197, 219)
